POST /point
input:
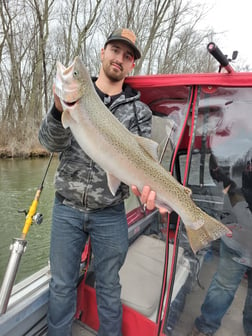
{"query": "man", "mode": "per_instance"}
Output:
(84, 206)
(235, 259)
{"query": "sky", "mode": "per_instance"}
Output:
(234, 19)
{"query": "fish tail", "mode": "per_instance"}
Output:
(211, 230)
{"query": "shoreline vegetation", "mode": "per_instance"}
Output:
(23, 153)
(22, 150)
(21, 142)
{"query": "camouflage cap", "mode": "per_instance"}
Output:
(127, 36)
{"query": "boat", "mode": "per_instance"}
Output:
(195, 116)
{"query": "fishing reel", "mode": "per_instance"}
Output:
(234, 56)
(37, 218)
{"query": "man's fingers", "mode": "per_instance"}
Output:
(150, 201)
(147, 197)
(135, 190)
(145, 194)
(162, 211)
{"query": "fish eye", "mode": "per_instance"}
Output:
(75, 73)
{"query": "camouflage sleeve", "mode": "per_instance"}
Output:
(144, 119)
(52, 134)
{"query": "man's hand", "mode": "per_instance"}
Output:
(148, 197)
(57, 101)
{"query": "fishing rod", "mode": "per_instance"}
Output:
(221, 58)
(18, 246)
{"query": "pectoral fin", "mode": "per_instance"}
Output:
(66, 118)
(113, 183)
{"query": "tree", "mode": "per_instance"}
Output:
(35, 34)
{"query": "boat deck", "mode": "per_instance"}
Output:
(34, 291)
(79, 329)
(232, 321)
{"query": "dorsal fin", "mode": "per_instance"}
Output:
(150, 146)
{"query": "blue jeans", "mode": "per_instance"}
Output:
(108, 232)
(221, 294)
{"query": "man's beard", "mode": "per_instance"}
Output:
(113, 75)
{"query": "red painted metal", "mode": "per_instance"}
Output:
(133, 324)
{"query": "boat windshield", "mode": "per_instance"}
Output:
(220, 177)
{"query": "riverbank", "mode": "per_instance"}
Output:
(8, 152)
(21, 142)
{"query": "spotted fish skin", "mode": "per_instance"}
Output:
(126, 157)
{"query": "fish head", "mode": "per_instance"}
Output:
(71, 83)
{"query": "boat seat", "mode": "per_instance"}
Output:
(141, 274)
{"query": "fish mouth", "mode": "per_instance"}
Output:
(70, 103)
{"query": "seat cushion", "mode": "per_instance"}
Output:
(141, 274)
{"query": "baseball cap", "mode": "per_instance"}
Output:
(127, 36)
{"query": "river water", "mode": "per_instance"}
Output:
(19, 180)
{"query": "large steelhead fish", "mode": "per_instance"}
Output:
(124, 156)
